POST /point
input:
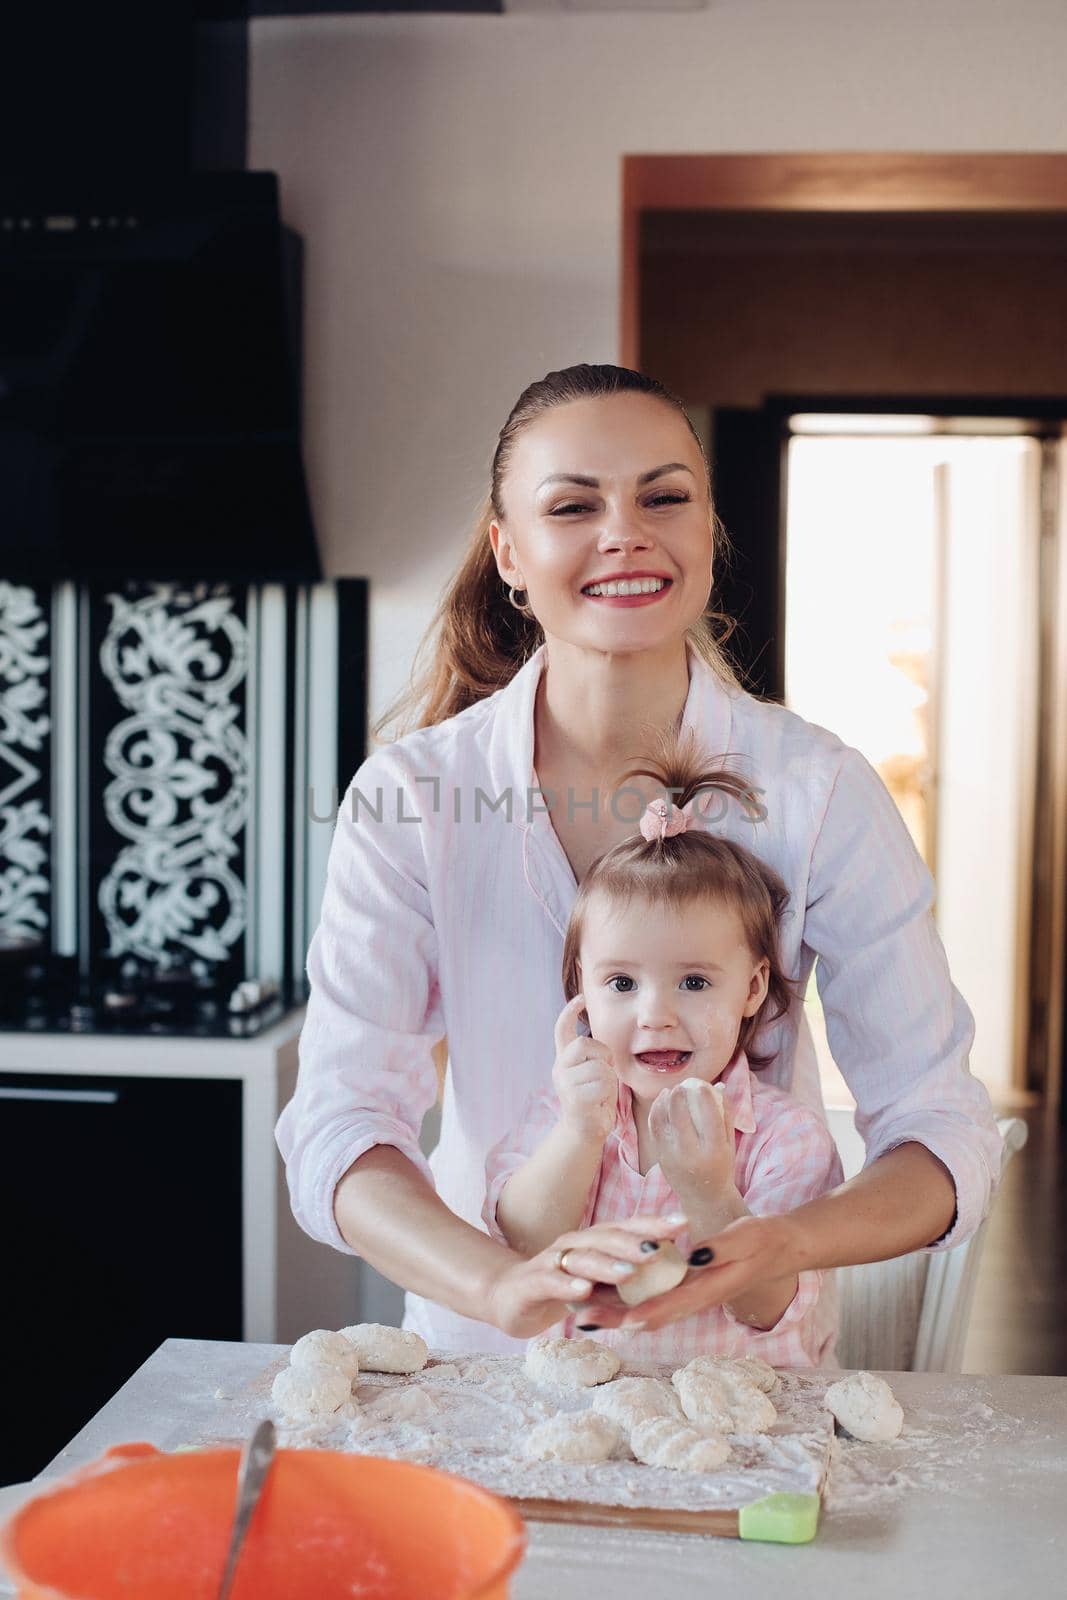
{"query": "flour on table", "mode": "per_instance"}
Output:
(486, 1406)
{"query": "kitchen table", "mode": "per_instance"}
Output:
(971, 1501)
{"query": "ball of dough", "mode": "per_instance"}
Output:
(723, 1401)
(666, 1442)
(630, 1400)
(585, 1436)
(570, 1363)
(663, 1270)
(325, 1349)
(749, 1369)
(307, 1393)
(384, 1349)
(866, 1406)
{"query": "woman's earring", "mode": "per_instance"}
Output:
(523, 608)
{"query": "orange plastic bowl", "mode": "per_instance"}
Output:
(328, 1525)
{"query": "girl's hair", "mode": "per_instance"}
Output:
(476, 638)
(692, 866)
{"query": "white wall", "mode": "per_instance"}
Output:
(457, 183)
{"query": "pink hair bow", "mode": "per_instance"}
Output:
(661, 822)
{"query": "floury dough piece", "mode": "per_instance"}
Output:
(631, 1400)
(748, 1369)
(722, 1401)
(866, 1406)
(663, 1270)
(310, 1393)
(570, 1363)
(322, 1348)
(668, 1442)
(582, 1436)
(384, 1349)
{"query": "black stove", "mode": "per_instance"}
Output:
(46, 994)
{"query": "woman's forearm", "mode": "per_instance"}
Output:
(547, 1195)
(903, 1201)
(392, 1217)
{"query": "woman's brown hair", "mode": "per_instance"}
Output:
(477, 640)
(691, 866)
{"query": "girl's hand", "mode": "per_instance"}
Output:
(584, 1079)
(694, 1140)
(747, 1253)
(530, 1295)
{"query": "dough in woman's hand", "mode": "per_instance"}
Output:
(666, 1442)
(308, 1393)
(322, 1348)
(570, 1363)
(722, 1400)
(384, 1349)
(866, 1406)
(630, 1400)
(581, 1436)
(664, 1270)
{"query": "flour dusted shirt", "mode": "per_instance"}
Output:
(446, 902)
(784, 1156)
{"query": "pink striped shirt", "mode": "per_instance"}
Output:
(785, 1156)
(446, 902)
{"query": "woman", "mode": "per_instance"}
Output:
(450, 883)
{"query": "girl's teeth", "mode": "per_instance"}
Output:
(626, 586)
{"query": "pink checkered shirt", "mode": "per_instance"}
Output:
(785, 1156)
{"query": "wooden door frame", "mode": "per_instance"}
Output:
(823, 181)
(877, 181)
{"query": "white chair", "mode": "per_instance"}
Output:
(909, 1314)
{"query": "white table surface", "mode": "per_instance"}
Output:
(970, 1501)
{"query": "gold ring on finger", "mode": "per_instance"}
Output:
(561, 1259)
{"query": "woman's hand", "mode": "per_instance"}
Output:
(750, 1252)
(693, 1133)
(584, 1079)
(529, 1295)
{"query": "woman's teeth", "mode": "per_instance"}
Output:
(627, 586)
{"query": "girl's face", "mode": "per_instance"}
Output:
(667, 990)
(641, 507)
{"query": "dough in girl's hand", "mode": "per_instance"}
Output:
(666, 1442)
(570, 1363)
(308, 1393)
(321, 1348)
(866, 1406)
(585, 1436)
(664, 1270)
(384, 1349)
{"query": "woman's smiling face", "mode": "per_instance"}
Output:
(673, 981)
(642, 507)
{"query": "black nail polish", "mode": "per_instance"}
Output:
(701, 1257)
(648, 1245)
(588, 1327)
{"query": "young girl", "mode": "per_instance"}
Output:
(671, 957)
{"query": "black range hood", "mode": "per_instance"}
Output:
(149, 415)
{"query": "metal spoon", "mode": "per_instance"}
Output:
(256, 1458)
